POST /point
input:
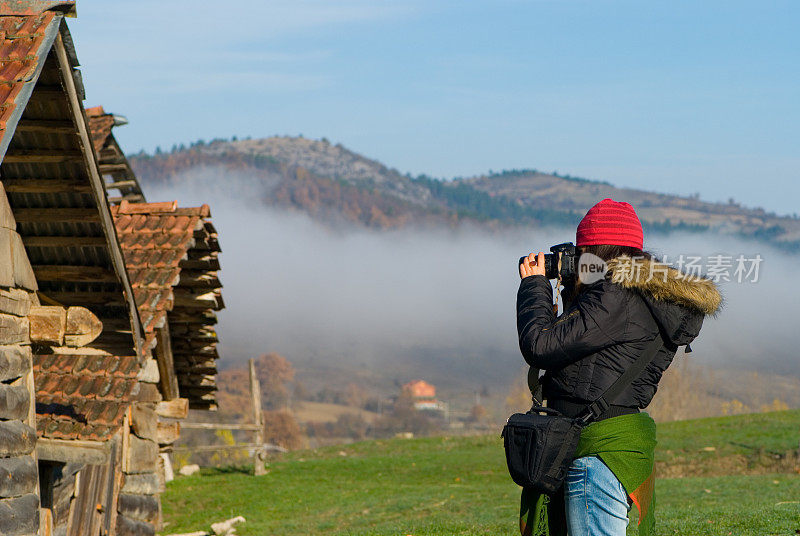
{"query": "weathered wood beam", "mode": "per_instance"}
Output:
(198, 331)
(96, 298)
(16, 439)
(206, 245)
(15, 301)
(46, 272)
(14, 329)
(198, 370)
(185, 298)
(218, 426)
(48, 93)
(73, 451)
(56, 214)
(195, 254)
(15, 361)
(168, 433)
(115, 253)
(142, 455)
(145, 508)
(143, 421)
(48, 324)
(17, 272)
(185, 367)
(126, 526)
(20, 516)
(199, 279)
(142, 484)
(189, 316)
(7, 220)
(82, 327)
(202, 328)
(193, 342)
(211, 264)
(14, 402)
(187, 354)
(35, 186)
(120, 184)
(191, 356)
(173, 409)
(18, 476)
(63, 241)
(166, 364)
(110, 152)
(111, 168)
(132, 198)
(202, 386)
(46, 125)
(27, 156)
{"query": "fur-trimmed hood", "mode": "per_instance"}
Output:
(664, 283)
(678, 301)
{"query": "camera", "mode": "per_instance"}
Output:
(569, 261)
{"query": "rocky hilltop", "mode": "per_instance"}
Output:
(333, 183)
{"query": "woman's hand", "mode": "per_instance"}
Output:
(533, 265)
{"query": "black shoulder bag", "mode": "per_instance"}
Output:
(540, 444)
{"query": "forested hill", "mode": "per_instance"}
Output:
(333, 184)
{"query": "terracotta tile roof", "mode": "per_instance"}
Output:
(100, 124)
(171, 257)
(85, 396)
(34, 7)
(114, 165)
(22, 39)
(154, 241)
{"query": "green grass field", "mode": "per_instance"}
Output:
(459, 485)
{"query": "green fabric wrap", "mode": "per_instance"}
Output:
(626, 444)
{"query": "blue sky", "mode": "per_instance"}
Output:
(677, 96)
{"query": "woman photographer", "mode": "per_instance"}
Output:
(605, 326)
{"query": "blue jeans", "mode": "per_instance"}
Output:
(596, 502)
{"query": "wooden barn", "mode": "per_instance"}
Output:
(171, 254)
(78, 453)
(172, 257)
(89, 362)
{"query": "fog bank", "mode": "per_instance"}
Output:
(438, 303)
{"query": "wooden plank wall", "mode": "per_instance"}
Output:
(19, 474)
(139, 502)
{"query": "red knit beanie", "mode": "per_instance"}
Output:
(610, 222)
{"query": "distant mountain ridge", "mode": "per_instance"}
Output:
(332, 183)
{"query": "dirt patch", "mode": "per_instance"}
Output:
(738, 464)
(321, 412)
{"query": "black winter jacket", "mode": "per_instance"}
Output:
(606, 328)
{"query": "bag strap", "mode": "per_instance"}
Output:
(534, 386)
(596, 408)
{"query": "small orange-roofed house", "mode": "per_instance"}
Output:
(424, 396)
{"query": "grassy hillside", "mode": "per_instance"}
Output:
(748, 484)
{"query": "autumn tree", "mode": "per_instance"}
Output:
(355, 395)
(478, 414)
(281, 428)
(233, 395)
(519, 394)
(274, 372)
